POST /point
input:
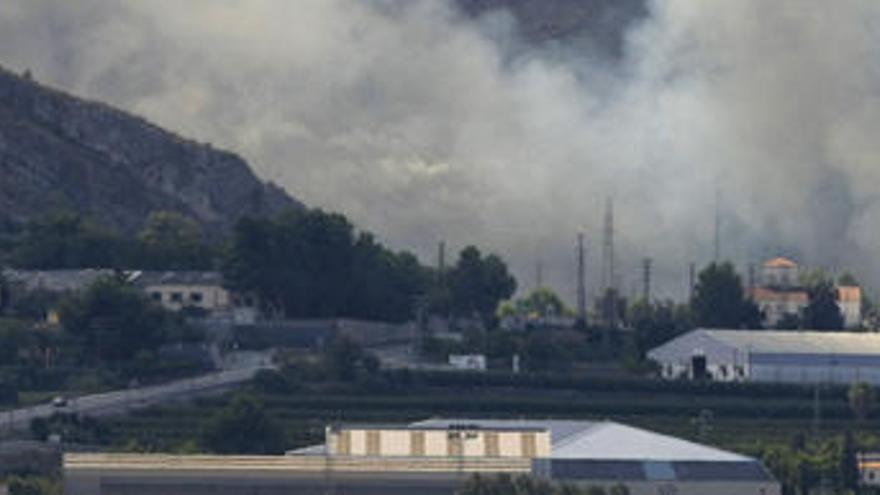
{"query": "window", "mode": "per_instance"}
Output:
(195, 297)
(156, 296)
(177, 297)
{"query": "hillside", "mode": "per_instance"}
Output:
(58, 152)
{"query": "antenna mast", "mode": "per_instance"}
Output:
(581, 281)
(717, 257)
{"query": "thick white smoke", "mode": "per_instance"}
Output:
(423, 125)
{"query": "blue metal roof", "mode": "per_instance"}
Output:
(581, 470)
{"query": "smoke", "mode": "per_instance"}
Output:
(422, 124)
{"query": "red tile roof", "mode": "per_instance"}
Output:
(780, 262)
(849, 294)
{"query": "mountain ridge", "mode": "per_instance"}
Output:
(62, 152)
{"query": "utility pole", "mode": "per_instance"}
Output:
(692, 280)
(581, 281)
(441, 260)
(539, 274)
(609, 298)
(717, 257)
(646, 279)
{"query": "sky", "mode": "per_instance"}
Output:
(423, 125)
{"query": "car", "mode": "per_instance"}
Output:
(59, 401)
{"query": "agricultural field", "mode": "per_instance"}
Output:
(737, 417)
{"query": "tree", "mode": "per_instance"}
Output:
(115, 321)
(526, 485)
(789, 321)
(822, 311)
(310, 264)
(14, 339)
(847, 279)
(4, 294)
(34, 486)
(542, 302)
(67, 240)
(343, 358)
(861, 398)
(243, 427)
(171, 241)
(720, 302)
(848, 463)
(478, 284)
(619, 489)
(656, 323)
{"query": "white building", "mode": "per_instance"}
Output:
(869, 469)
(584, 453)
(772, 356)
(435, 457)
(176, 290)
(780, 293)
(473, 362)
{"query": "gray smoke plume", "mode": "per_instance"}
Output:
(422, 124)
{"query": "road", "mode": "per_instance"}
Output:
(122, 401)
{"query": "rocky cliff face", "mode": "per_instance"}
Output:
(61, 152)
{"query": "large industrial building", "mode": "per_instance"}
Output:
(436, 457)
(801, 357)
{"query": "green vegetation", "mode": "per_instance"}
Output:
(110, 335)
(765, 421)
(478, 284)
(116, 322)
(527, 485)
(32, 485)
(822, 311)
(308, 264)
(67, 240)
(243, 427)
(720, 302)
(541, 302)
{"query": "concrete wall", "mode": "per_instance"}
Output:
(135, 474)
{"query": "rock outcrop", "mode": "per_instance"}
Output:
(60, 152)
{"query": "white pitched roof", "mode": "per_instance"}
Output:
(798, 342)
(607, 440)
(614, 441)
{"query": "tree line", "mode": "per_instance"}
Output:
(299, 264)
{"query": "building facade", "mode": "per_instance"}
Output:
(439, 441)
(435, 457)
(780, 293)
(176, 290)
